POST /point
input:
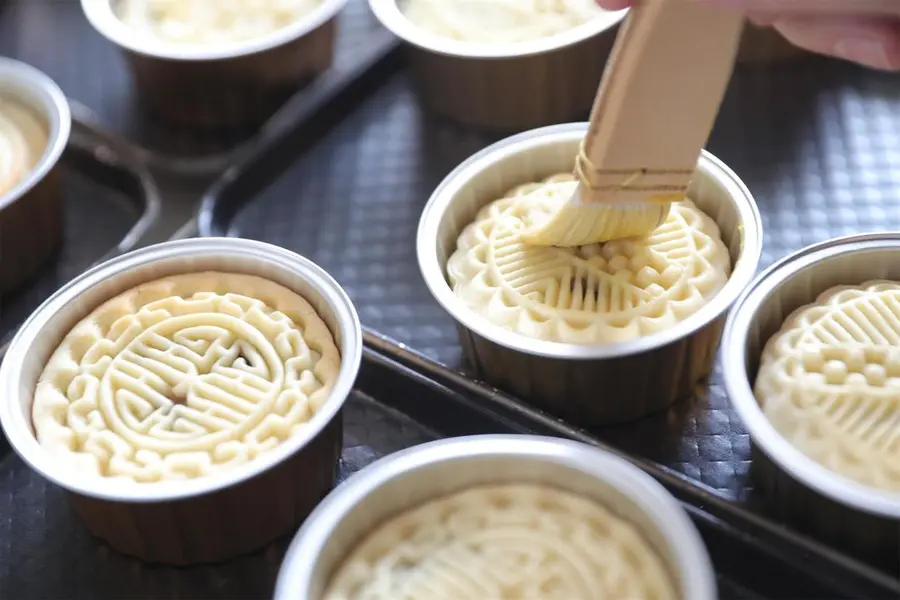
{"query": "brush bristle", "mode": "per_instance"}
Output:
(578, 223)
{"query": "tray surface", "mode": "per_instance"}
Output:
(376, 423)
(55, 36)
(36, 516)
(97, 215)
(817, 141)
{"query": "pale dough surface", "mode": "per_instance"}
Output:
(505, 542)
(211, 22)
(184, 376)
(829, 382)
(596, 294)
(499, 21)
(23, 140)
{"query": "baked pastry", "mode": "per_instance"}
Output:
(499, 21)
(211, 22)
(184, 376)
(829, 382)
(522, 542)
(23, 140)
(596, 294)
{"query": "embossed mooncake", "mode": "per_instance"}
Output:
(596, 294)
(183, 377)
(23, 139)
(522, 542)
(211, 21)
(829, 382)
(499, 21)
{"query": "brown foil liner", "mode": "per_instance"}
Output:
(626, 383)
(873, 536)
(598, 392)
(513, 94)
(231, 92)
(225, 523)
(30, 232)
(216, 519)
(760, 45)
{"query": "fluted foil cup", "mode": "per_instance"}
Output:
(801, 490)
(233, 85)
(31, 212)
(417, 475)
(219, 515)
(587, 384)
(508, 87)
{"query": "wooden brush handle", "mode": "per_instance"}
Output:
(663, 86)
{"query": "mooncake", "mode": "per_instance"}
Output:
(499, 21)
(829, 382)
(183, 377)
(211, 22)
(23, 140)
(517, 542)
(597, 294)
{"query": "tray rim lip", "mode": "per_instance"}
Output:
(434, 273)
(701, 498)
(105, 22)
(22, 74)
(127, 158)
(20, 433)
(391, 16)
(733, 356)
(658, 504)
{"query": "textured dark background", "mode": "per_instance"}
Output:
(817, 142)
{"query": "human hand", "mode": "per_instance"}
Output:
(862, 31)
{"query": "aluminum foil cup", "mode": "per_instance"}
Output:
(430, 471)
(596, 384)
(507, 87)
(762, 45)
(30, 213)
(209, 518)
(235, 84)
(802, 490)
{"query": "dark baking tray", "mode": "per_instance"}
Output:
(55, 36)
(46, 553)
(817, 141)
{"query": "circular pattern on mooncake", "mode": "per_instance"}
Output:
(595, 294)
(506, 541)
(829, 382)
(23, 139)
(211, 22)
(183, 377)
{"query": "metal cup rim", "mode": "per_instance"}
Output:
(102, 17)
(733, 355)
(434, 273)
(19, 432)
(54, 107)
(693, 562)
(389, 14)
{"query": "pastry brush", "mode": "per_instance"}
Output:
(652, 116)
